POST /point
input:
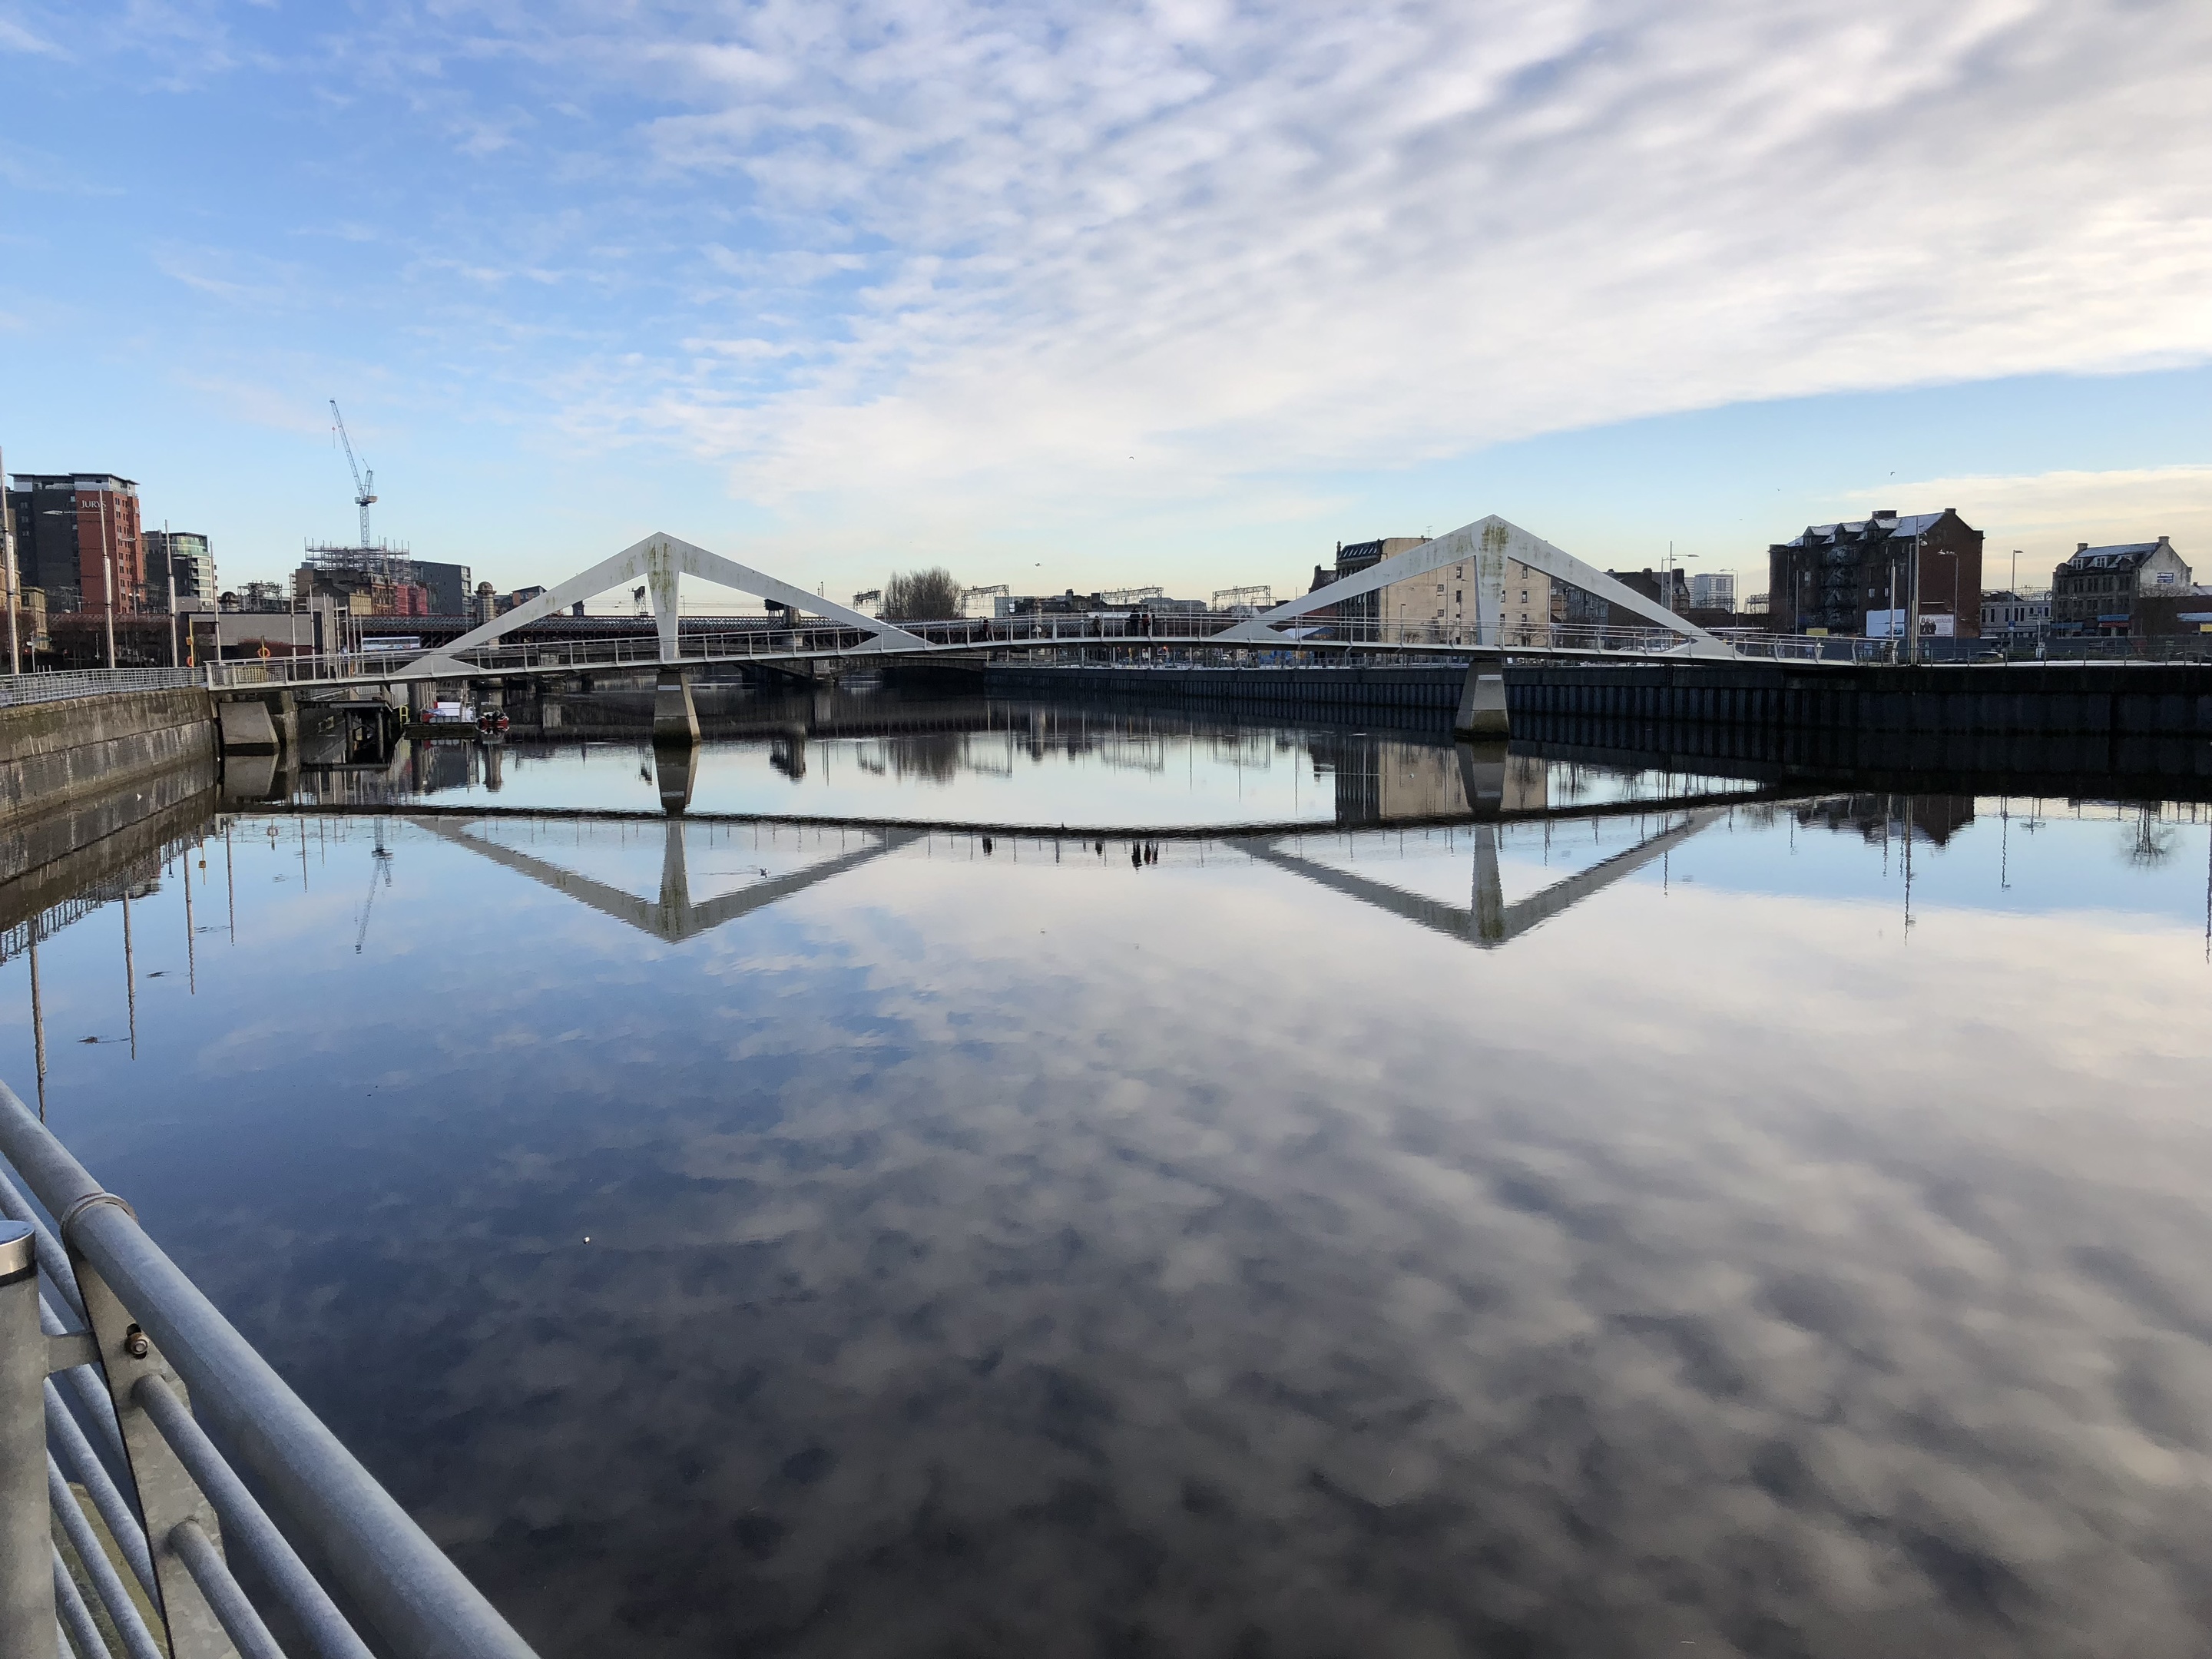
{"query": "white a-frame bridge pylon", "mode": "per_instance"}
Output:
(1487, 544)
(661, 560)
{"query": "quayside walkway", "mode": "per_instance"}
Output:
(113, 1371)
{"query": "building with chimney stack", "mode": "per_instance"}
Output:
(2099, 589)
(1839, 578)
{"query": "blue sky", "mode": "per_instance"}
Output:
(1071, 295)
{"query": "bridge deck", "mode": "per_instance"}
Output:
(1080, 636)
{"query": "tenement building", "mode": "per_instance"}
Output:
(1835, 578)
(1384, 613)
(2098, 590)
(1437, 606)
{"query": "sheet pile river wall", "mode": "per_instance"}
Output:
(2093, 699)
(1432, 688)
(2149, 725)
(2080, 699)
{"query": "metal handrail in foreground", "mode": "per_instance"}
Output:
(109, 1358)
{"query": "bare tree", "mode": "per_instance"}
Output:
(931, 595)
(2152, 840)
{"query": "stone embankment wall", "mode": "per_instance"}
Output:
(52, 752)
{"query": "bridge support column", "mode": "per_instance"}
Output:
(1482, 704)
(675, 720)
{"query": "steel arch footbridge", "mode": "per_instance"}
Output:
(815, 629)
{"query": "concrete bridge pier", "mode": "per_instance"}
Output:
(1482, 704)
(675, 720)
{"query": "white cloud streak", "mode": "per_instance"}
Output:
(2041, 513)
(1238, 241)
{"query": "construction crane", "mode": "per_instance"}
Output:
(364, 483)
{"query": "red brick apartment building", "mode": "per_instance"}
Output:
(1829, 576)
(71, 528)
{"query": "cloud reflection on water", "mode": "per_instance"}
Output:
(998, 1257)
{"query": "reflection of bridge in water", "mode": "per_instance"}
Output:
(1376, 775)
(1487, 920)
(674, 915)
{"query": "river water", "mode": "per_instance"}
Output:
(1641, 1212)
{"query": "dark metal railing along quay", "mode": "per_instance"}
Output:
(110, 1356)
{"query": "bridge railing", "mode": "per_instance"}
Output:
(60, 685)
(774, 639)
(110, 1359)
(1314, 639)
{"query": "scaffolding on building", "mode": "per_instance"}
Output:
(985, 597)
(391, 561)
(1253, 599)
(381, 578)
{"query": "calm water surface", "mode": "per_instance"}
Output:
(1734, 1226)
(881, 756)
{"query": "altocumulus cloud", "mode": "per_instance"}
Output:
(1236, 241)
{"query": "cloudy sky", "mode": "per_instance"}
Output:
(1080, 294)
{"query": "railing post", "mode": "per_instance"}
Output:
(168, 1498)
(26, 1551)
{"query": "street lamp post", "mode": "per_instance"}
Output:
(8, 555)
(107, 566)
(1889, 612)
(169, 585)
(108, 577)
(1912, 602)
